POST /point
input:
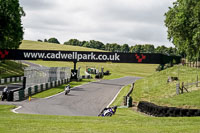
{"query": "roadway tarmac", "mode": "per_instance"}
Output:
(12, 86)
(85, 100)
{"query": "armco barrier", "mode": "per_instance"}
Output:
(22, 94)
(163, 111)
(10, 79)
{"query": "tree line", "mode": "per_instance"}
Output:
(114, 47)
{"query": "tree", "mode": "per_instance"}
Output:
(148, 48)
(125, 48)
(136, 49)
(96, 44)
(183, 23)
(53, 40)
(162, 49)
(74, 42)
(11, 30)
(113, 47)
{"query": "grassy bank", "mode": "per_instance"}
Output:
(10, 69)
(34, 45)
(155, 88)
(125, 121)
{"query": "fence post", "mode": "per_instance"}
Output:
(177, 88)
(182, 87)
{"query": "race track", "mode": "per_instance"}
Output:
(85, 100)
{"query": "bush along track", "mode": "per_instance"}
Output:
(164, 111)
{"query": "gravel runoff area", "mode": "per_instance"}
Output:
(84, 100)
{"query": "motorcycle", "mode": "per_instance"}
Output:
(108, 111)
(67, 89)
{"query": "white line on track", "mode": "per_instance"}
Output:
(15, 110)
(115, 97)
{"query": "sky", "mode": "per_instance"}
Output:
(109, 21)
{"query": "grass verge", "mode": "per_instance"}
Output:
(119, 100)
(10, 69)
(125, 121)
(155, 88)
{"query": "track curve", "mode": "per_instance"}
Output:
(85, 100)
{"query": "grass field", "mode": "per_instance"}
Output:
(153, 87)
(34, 45)
(124, 121)
(10, 68)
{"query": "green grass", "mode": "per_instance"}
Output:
(125, 121)
(59, 89)
(155, 88)
(152, 88)
(10, 69)
(120, 98)
(34, 45)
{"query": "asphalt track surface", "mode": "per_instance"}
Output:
(85, 100)
(12, 86)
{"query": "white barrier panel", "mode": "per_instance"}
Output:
(16, 96)
(8, 80)
(39, 75)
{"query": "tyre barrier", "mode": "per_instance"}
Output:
(10, 80)
(86, 76)
(164, 111)
(22, 94)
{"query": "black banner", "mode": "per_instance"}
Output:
(85, 56)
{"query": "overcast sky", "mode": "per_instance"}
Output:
(109, 21)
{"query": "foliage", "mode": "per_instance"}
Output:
(125, 48)
(10, 69)
(39, 40)
(113, 47)
(88, 44)
(11, 30)
(74, 42)
(183, 23)
(53, 40)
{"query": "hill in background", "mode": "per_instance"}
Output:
(34, 45)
